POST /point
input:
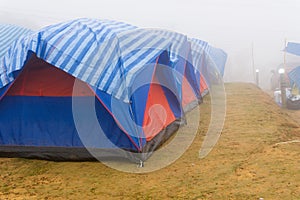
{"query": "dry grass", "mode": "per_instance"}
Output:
(245, 164)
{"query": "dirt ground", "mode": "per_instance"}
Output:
(257, 156)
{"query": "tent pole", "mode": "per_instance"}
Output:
(284, 56)
(253, 68)
(283, 79)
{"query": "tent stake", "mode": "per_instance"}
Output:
(141, 164)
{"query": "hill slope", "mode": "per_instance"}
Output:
(248, 162)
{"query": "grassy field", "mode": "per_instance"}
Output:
(251, 160)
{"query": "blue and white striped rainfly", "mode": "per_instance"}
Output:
(294, 76)
(104, 53)
(293, 48)
(203, 53)
(179, 46)
(219, 57)
(8, 34)
(199, 49)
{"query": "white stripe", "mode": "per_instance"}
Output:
(104, 62)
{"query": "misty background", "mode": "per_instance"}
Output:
(252, 33)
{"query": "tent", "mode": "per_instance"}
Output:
(293, 48)
(293, 74)
(91, 88)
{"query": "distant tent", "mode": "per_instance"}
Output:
(209, 61)
(55, 79)
(294, 76)
(293, 48)
(293, 72)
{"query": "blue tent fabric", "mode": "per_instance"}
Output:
(178, 47)
(208, 60)
(8, 34)
(219, 58)
(294, 76)
(178, 58)
(104, 53)
(61, 131)
(293, 48)
(199, 50)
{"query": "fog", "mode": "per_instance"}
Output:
(252, 33)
